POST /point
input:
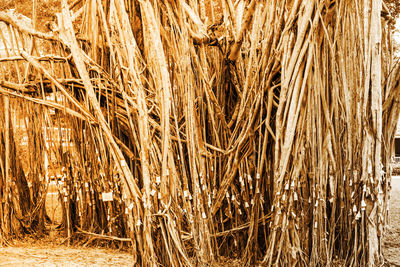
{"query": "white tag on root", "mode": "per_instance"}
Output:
(107, 196)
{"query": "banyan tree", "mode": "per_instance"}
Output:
(194, 130)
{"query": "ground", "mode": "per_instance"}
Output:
(46, 253)
(391, 244)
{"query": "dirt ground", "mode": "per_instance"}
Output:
(44, 253)
(391, 244)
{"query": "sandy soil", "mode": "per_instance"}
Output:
(44, 253)
(391, 244)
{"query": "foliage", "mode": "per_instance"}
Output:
(45, 9)
(394, 7)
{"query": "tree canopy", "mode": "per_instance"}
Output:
(394, 7)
